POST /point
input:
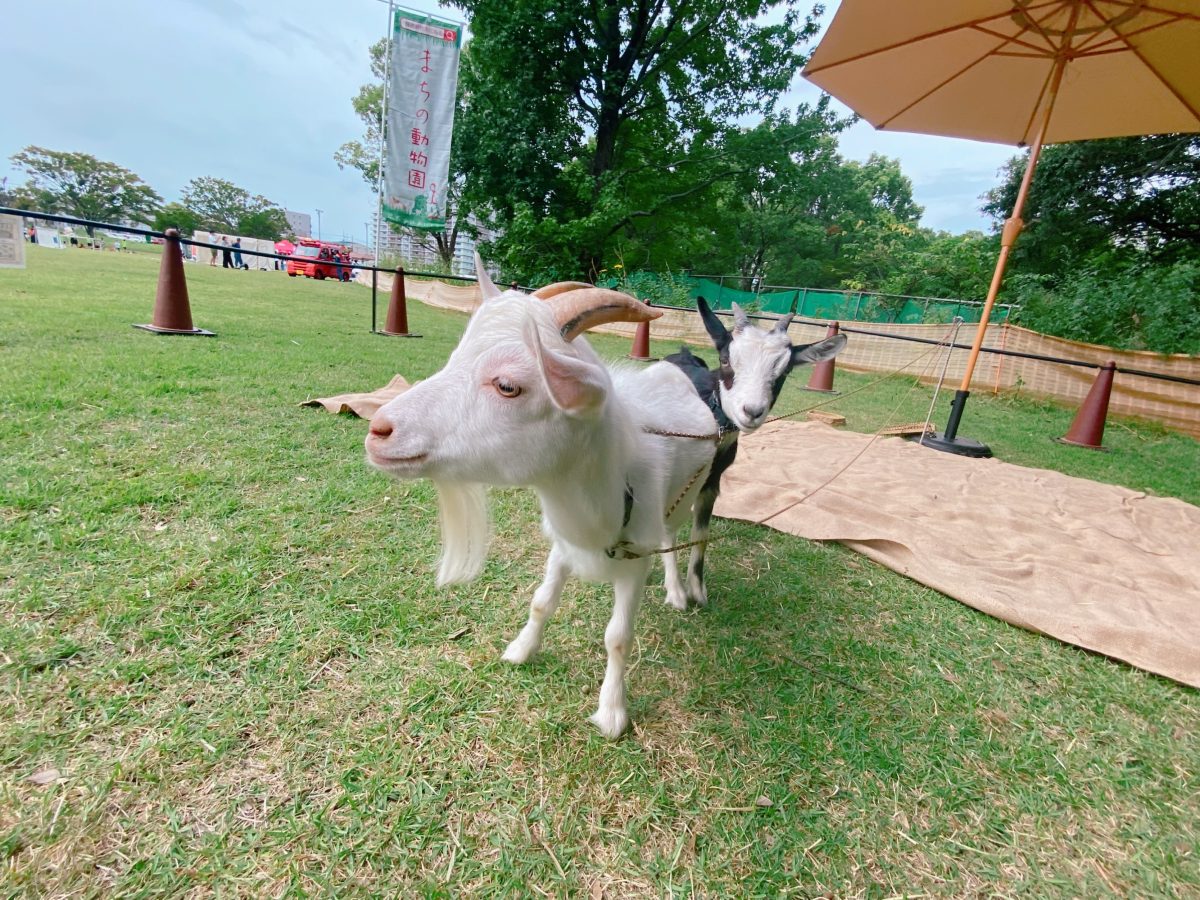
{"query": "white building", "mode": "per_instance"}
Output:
(300, 224)
(420, 252)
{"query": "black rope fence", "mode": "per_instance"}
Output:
(145, 232)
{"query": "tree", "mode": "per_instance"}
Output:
(588, 119)
(1133, 195)
(221, 205)
(176, 215)
(79, 184)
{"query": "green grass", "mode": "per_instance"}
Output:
(221, 629)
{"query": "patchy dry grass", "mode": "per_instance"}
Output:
(226, 668)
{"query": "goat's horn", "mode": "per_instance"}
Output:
(577, 310)
(559, 287)
(784, 321)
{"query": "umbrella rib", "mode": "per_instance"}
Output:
(966, 68)
(1036, 106)
(1153, 71)
(933, 90)
(1040, 51)
(1175, 14)
(811, 70)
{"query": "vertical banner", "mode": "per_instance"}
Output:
(424, 77)
(12, 242)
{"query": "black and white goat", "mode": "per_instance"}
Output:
(753, 365)
(524, 400)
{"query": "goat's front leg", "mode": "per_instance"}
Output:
(545, 601)
(612, 715)
(696, 591)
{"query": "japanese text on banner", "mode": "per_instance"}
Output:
(424, 77)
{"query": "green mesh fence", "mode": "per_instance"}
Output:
(850, 306)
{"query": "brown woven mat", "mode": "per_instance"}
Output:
(1095, 565)
(362, 405)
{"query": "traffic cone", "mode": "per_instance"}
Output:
(641, 343)
(1088, 428)
(172, 313)
(821, 378)
(397, 316)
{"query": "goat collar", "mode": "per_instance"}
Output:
(713, 400)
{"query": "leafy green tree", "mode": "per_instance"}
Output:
(79, 184)
(937, 264)
(586, 123)
(221, 205)
(1134, 195)
(809, 217)
(176, 215)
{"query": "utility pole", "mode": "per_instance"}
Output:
(319, 211)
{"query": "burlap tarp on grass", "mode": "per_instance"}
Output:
(1099, 566)
(362, 405)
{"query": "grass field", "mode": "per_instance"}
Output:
(227, 671)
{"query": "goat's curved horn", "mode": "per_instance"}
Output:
(784, 321)
(577, 310)
(559, 287)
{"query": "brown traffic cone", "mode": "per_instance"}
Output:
(821, 378)
(397, 316)
(641, 343)
(172, 313)
(1088, 428)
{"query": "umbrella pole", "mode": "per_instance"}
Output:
(949, 439)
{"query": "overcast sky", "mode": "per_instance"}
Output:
(258, 92)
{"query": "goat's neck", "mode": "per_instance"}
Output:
(584, 499)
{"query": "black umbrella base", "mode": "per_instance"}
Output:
(959, 446)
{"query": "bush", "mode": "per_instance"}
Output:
(1126, 305)
(660, 290)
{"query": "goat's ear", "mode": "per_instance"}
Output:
(576, 387)
(486, 288)
(740, 320)
(818, 352)
(714, 326)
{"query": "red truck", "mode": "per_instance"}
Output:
(320, 260)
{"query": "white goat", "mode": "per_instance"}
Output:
(523, 400)
(740, 394)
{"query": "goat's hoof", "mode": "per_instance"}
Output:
(611, 722)
(698, 594)
(678, 601)
(519, 651)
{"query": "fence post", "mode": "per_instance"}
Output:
(374, 293)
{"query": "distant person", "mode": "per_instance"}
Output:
(212, 261)
(32, 235)
(226, 253)
(237, 254)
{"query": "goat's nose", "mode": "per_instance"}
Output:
(753, 412)
(380, 428)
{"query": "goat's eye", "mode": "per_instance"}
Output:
(505, 388)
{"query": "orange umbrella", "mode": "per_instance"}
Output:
(1024, 72)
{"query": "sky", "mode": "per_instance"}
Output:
(258, 92)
